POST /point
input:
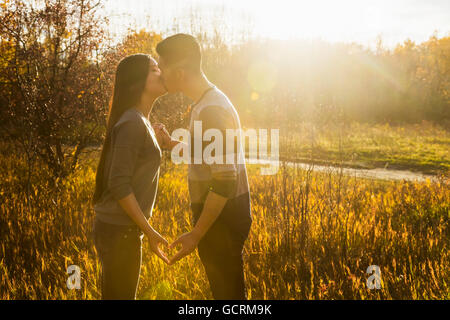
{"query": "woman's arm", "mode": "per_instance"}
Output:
(165, 141)
(132, 208)
(128, 140)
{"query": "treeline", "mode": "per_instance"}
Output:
(290, 81)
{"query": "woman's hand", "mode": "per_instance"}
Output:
(131, 207)
(162, 135)
(155, 240)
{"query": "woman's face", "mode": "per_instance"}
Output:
(154, 85)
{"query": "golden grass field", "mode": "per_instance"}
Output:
(313, 237)
(357, 104)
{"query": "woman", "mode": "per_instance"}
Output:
(127, 178)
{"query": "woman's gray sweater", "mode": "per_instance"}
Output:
(131, 166)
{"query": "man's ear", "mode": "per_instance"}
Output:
(181, 74)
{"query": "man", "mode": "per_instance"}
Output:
(219, 192)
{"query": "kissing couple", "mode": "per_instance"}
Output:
(128, 173)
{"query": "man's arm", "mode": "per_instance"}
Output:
(189, 241)
(223, 186)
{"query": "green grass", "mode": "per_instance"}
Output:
(420, 147)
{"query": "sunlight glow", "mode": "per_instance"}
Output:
(330, 20)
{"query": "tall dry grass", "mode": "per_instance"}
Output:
(313, 237)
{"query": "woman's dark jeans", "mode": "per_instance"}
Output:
(119, 249)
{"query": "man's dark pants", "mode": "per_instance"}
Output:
(220, 251)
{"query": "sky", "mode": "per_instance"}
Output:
(359, 21)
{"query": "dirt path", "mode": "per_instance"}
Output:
(377, 173)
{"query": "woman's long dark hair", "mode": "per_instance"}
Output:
(129, 83)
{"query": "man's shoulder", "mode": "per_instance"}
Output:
(216, 102)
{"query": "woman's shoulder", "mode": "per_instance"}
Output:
(130, 118)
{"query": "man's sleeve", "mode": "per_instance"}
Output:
(224, 175)
(127, 141)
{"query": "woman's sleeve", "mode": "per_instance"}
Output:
(128, 139)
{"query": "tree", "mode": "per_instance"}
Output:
(51, 85)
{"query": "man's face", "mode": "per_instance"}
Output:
(172, 76)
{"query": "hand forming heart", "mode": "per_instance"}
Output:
(155, 239)
(188, 242)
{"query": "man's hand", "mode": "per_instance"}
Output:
(188, 242)
(162, 135)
